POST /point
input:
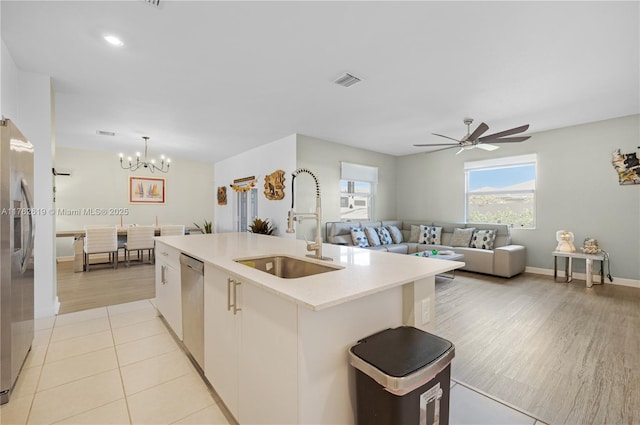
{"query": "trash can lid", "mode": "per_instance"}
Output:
(403, 357)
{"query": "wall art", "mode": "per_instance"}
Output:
(222, 195)
(627, 166)
(146, 190)
(274, 185)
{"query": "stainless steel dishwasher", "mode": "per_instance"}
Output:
(192, 278)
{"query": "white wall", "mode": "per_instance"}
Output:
(258, 162)
(27, 101)
(97, 181)
(323, 159)
(577, 190)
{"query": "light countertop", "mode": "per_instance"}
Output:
(364, 272)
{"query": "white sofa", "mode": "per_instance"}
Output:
(505, 259)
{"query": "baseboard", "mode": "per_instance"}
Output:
(582, 276)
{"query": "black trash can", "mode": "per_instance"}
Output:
(402, 377)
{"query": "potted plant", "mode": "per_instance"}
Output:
(207, 227)
(262, 227)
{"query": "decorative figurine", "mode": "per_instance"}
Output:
(565, 241)
(590, 246)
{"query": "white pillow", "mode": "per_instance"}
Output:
(483, 239)
(372, 235)
(359, 238)
(396, 234)
(383, 234)
(430, 235)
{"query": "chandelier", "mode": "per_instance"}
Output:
(151, 165)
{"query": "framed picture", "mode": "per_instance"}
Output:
(146, 190)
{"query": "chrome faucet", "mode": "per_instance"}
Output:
(316, 245)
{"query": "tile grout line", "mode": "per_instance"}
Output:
(497, 400)
(124, 391)
(44, 359)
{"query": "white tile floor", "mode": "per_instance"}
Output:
(120, 365)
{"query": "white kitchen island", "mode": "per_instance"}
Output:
(280, 356)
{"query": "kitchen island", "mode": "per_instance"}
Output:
(275, 349)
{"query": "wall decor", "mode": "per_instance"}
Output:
(627, 166)
(244, 184)
(274, 185)
(147, 190)
(222, 195)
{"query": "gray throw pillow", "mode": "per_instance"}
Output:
(462, 237)
(372, 236)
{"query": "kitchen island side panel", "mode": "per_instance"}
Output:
(326, 380)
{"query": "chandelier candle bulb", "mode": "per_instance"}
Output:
(146, 163)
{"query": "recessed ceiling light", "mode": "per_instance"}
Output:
(113, 40)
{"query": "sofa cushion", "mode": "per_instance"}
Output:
(482, 239)
(398, 248)
(477, 260)
(462, 237)
(384, 235)
(359, 238)
(372, 236)
(396, 234)
(415, 233)
(430, 235)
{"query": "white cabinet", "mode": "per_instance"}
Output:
(251, 354)
(221, 336)
(168, 289)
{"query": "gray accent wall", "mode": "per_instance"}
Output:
(323, 158)
(577, 190)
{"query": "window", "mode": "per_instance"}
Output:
(356, 191)
(355, 200)
(501, 191)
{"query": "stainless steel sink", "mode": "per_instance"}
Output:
(286, 267)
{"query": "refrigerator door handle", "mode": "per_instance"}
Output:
(29, 248)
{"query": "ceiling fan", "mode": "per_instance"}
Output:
(473, 140)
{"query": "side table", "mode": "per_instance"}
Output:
(568, 270)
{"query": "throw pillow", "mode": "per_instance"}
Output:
(359, 238)
(415, 233)
(372, 235)
(462, 237)
(384, 235)
(396, 234)
(483, 239)
(430, 235)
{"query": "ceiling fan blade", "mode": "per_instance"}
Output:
(437, 144)
(511, 139)
(446, 137)
(487, 147)
(478, 132)
(516, 130)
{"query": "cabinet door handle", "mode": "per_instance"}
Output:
(235, 297)
(166, 254)
(163, 278)
(229, 280)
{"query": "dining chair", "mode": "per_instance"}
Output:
(140, 239)
(101, 240)
(172, 229)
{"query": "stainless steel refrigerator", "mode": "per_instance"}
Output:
(17, 233)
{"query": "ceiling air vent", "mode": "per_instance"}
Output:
(153, 2)
(347, 80)
(105, 133)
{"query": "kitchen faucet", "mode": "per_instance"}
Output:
(293, 216)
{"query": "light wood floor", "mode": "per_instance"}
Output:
(103, 285)
(563, 352)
